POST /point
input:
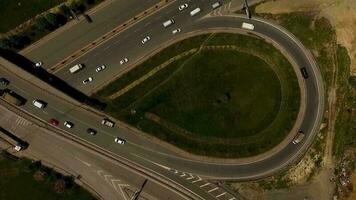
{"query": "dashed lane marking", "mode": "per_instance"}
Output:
(206, 184)
(212, 190)
(222, 194)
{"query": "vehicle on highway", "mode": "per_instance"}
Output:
(76, 68)
(12, 97)
(298, 138)
(304, 73)
(168, 23)
(183, 6)
(108, 122)
(123, 61)
(216, 5)
(88, 80)
(247, 26)
(68, 124)
(38, 64)
(146, 39)
(195, 12)
(100, 68)
(175, 31)
(4, 82)
(120, 140)
(53, 122)
(91, 131)
(39, 103)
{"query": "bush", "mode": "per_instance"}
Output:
(42, 24)
(5, 43)
(89, 2)
(19, 41)
(59, 186)
(64, 10)
(53, 19)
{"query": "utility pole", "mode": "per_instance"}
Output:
(136, 195)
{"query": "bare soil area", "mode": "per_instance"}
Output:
(341, 13)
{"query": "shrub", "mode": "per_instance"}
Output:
(42, 24)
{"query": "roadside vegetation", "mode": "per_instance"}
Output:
(25, 179)
(26, 21)
(318, 35)
(213, 95)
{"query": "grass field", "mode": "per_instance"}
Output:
(15, 12)
(17, 183)
(224, 102)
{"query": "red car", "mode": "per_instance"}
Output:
(53, 122)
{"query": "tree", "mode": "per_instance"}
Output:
(59, 186)
(53, 19)
(89, 2)
(42, 24)
(64, 10)
(5, 43)
(19, 41)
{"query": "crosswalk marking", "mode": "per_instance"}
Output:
(220, 195)
(206, 184)
(212, 190)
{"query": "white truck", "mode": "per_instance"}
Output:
(76, 68)
(195, 11)
(248, 26)
(168, 23)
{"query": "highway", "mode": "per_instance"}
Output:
(142, 150)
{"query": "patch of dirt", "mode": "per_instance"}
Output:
(353, 181)
(300, 173)
(341, 13)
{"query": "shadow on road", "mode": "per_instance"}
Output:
(51, 79)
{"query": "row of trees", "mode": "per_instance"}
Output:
(46, 23)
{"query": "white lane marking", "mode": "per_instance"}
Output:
(190, 176)
(199, 179)
(85, 163)
(183, 174)
(164, 167)
(212, 190)
(106, 178)
(233, 198)
(222, 194)
(206, 184)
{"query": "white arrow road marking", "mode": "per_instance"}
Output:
(119, 186)
(199, 179)
(212, 190)
(85, 163)
(183, 174)
(106, 178)
(99, 173)
(220, 195)
(190, 176)
(175, 171)
(204, 185)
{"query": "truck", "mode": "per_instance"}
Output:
(12, 97)
(195, 11)
(11, 139)
(168, 23)
(247, 26)
(76, 68)
(298, 138)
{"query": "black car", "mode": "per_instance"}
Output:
(4, 81)
(91, 131)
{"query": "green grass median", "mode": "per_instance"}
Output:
(221, 95)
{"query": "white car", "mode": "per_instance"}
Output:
(88, 80)
(38, 64)
(123, 61)
(107, 122)
(100, 68)
(120, 141)
(175, 31)
(146, 39)
(68, 124)
(183, 6)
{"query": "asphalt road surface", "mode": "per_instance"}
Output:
(144, 152)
